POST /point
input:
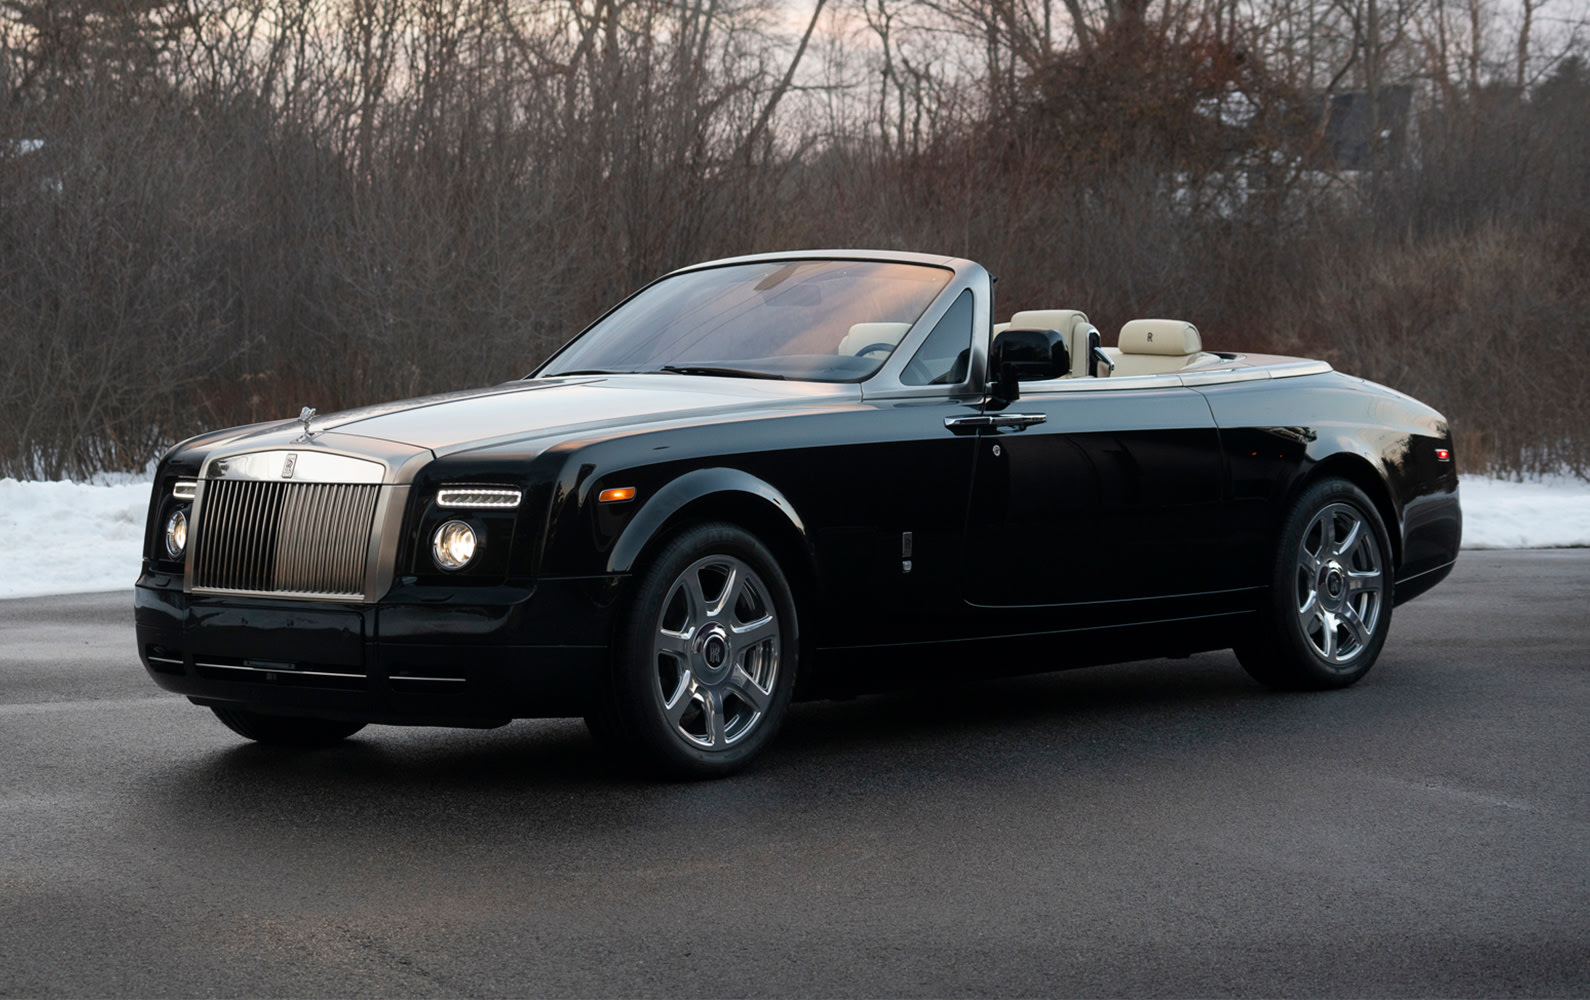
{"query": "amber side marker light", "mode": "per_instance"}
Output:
(1443, 455)
(616, 495)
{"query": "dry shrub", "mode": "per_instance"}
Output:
(1488, 327)
(264, 214)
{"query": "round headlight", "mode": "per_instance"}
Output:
(176, 534)
(453, 545)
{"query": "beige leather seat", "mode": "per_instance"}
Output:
(865, 335)
(1159, 347)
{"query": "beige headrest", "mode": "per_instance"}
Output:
(1160, 336)
(1061, 320)
(864, 335)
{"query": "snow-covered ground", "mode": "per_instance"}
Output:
(69, 538)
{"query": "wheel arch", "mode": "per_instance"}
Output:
(733, 496)
(1362, 473)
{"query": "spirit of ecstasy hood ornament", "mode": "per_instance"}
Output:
(304, 416)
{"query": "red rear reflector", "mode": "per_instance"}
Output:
(615, 495)
(1443, 455)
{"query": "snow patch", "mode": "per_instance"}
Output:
(72, 538)
(1551, 513)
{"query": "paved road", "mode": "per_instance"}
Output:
(1162, 828)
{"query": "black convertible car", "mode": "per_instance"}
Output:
(788, 476)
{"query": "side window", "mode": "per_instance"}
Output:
(943, 358)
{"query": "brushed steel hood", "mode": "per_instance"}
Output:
(558, 406)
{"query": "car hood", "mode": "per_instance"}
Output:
(544, 408)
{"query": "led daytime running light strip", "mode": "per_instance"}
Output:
(477, 497)
(184, 489)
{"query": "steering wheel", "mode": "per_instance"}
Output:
(870, 348)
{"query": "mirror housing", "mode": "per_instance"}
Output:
(1026, 356)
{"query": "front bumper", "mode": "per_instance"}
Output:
(462, 659)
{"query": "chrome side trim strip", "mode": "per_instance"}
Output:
(269, 670)
(1200, 377)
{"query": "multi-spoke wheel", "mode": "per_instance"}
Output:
(706, 662)
(285, 730)
(1329, 608)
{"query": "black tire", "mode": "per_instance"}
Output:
(1328, 611)
(285, 730)
(704, 661)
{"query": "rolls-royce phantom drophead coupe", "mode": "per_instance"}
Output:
(792, 475)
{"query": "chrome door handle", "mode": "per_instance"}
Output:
(997, 420)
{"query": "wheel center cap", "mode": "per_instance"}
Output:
(712, 647)
(1332, 585)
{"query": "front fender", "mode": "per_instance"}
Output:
(689, 488)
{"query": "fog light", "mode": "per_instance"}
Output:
(453, 545)
(176, 534)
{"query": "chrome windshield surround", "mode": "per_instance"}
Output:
(185, 489)
(886, 382)
(478, 497)
(885, 379)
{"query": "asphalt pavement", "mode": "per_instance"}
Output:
(1164, 828)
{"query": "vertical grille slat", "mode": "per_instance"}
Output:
(330, 555)
(284, 538)
(330, 563)
(325, 566)
(243, 567)
(354, 555)
(290, 544)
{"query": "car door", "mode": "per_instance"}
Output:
(1094, 502)
(889, 497)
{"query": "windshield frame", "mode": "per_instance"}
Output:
(885, 377)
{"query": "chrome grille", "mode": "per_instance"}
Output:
(297, 539)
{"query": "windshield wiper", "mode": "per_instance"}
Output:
(715, 370)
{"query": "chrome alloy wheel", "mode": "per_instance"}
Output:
(1341, 585)
(716, 651)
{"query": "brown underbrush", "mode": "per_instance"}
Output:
(204, 245)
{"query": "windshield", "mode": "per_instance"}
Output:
(818, 320)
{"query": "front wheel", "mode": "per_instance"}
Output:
(1329, 607)
(705, 663)
(285, 730)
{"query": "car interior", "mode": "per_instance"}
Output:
(1144, 346)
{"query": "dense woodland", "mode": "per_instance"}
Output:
(217, 211)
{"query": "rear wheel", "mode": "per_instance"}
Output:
(285, 730)
(705, 664)
(1329, 607)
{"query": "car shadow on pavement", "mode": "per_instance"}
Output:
(546, 779)
(553, 754)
